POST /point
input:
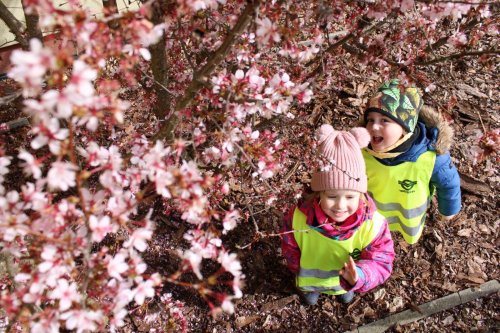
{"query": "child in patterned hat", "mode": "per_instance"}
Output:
(336, 243)
(408, 159)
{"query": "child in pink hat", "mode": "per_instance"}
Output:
(337, 243)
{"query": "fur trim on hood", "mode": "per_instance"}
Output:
(433, 119)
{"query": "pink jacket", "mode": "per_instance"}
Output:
(375, 263)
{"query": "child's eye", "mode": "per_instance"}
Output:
(369, 120)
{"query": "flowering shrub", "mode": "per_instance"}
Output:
(78, 226)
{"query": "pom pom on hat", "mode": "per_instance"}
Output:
(324, 132)
(362, 136)
(343, 150)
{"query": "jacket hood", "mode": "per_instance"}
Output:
(432, 119)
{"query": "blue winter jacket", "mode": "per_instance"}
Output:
(445, 178)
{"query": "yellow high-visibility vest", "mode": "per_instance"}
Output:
(321, 257)
(402, 192)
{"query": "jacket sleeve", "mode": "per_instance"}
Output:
(446, 180)
(375, 263)
(289, 247)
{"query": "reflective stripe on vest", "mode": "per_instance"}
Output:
(321, 258)
(402, 192)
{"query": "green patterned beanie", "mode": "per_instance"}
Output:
(398, 103)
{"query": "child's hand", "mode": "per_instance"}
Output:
(349, 272)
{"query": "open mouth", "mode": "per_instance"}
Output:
(377, 140)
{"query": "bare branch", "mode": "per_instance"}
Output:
(457, 56)
(14, 25)
(344, 41)
(443, 40)
(199, 77)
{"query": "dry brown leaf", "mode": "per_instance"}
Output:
(396, 304)
(440, 251)
(278, 304)
(479, 260)
(449, 286)
(473, 279)
(379, 294)
(465, 232)
(404, 246)
(448, 320)
(484, 229)
(368, 312)
(471, 91)
(245, 320)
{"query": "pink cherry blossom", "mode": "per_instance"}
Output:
(82, 320)
(139, 239)
(31, 165)
(29, 67)
(117, 266)
(144, 289)
(61, 176)
(66, 294)
(49, 132)
(101, 227)
(230, 220)
(230, 263)
(266, 31)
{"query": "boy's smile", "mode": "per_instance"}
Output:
(384, 131)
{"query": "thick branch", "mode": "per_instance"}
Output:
(443, 40)
(32, 27)
(159, 67)
(456, 56)
(200, 77)
(14, 25)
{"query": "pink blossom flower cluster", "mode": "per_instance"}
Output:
(95, 184)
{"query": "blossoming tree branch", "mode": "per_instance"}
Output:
(215, 78)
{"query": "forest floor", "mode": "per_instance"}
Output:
(450, 256)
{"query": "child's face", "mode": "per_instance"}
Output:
(339, 204)
(384, 131)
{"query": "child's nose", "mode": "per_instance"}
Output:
(340, 204)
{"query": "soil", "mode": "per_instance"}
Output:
(450, 256)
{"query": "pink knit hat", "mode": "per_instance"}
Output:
(344, 166)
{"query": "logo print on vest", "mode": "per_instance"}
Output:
(355, 254)
(407, 185)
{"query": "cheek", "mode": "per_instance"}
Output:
(326, 204)
(353, 206)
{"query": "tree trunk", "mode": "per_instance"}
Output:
(32, 27)
(159, 66)
(14, 25)
(111, 8)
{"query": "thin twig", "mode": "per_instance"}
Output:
(279, 234)
(481, 120)
(457, 56)
(157, 82)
